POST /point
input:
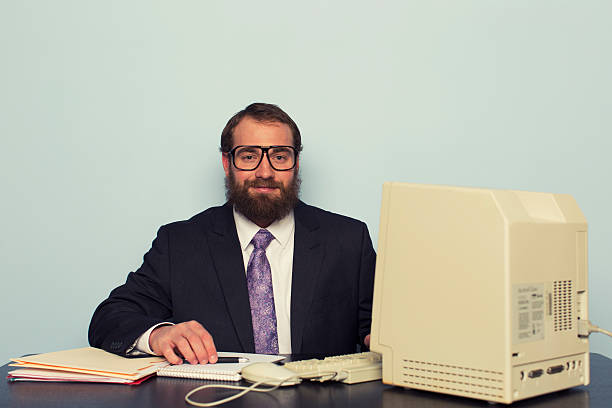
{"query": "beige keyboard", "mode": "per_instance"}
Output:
(348, 368)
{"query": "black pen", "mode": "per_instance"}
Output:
(232, 360)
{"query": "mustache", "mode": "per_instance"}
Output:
(263, 183)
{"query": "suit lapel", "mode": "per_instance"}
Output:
(307, 258)
(227, 258)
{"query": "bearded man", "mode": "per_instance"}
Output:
(263, 273)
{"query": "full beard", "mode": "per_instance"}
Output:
(261, 208)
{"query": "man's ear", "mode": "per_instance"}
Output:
(225, 159)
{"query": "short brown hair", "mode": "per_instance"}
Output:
(261, 112)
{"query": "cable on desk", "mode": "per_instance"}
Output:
(245, 390)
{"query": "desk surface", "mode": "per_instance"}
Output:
(170, 392)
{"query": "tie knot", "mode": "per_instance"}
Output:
(262, 239)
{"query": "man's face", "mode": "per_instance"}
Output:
(264, 194)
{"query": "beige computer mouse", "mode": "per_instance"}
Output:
(270, 374)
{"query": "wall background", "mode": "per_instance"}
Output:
(111, 111)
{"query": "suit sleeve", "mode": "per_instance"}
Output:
(142, 302)
(366, 284)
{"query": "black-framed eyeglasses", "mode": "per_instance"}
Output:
(281, 158)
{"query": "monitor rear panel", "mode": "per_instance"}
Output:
(476, 290)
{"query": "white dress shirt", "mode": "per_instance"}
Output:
(280, 256)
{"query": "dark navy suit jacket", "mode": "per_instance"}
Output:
(195, 271)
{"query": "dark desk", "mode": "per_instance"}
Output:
(170, 392)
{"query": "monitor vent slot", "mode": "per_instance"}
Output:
(562, 305)
(452, 379)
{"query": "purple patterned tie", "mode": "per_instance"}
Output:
(261, 295)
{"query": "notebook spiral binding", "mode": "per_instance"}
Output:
(198, 373)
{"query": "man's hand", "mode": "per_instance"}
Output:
(366, 341)
(189, 339)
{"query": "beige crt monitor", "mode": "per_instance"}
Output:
(478, 292)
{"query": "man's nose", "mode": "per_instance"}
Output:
(264, 170)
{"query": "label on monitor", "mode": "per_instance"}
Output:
(528, 311)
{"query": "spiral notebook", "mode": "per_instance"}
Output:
(219, 372)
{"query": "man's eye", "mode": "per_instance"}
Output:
(280, 155)
(248, 157)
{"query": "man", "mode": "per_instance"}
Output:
(263, 273)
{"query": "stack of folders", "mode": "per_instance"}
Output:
(94, 365)
(86, 364)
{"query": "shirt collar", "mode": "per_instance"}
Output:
(280, 229)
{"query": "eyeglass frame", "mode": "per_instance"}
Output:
(265, 153)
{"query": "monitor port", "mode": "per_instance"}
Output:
(536, 373)
(554, 369)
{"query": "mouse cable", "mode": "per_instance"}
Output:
(245, 390)
(250, 388)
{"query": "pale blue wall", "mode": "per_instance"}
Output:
(110, 115)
